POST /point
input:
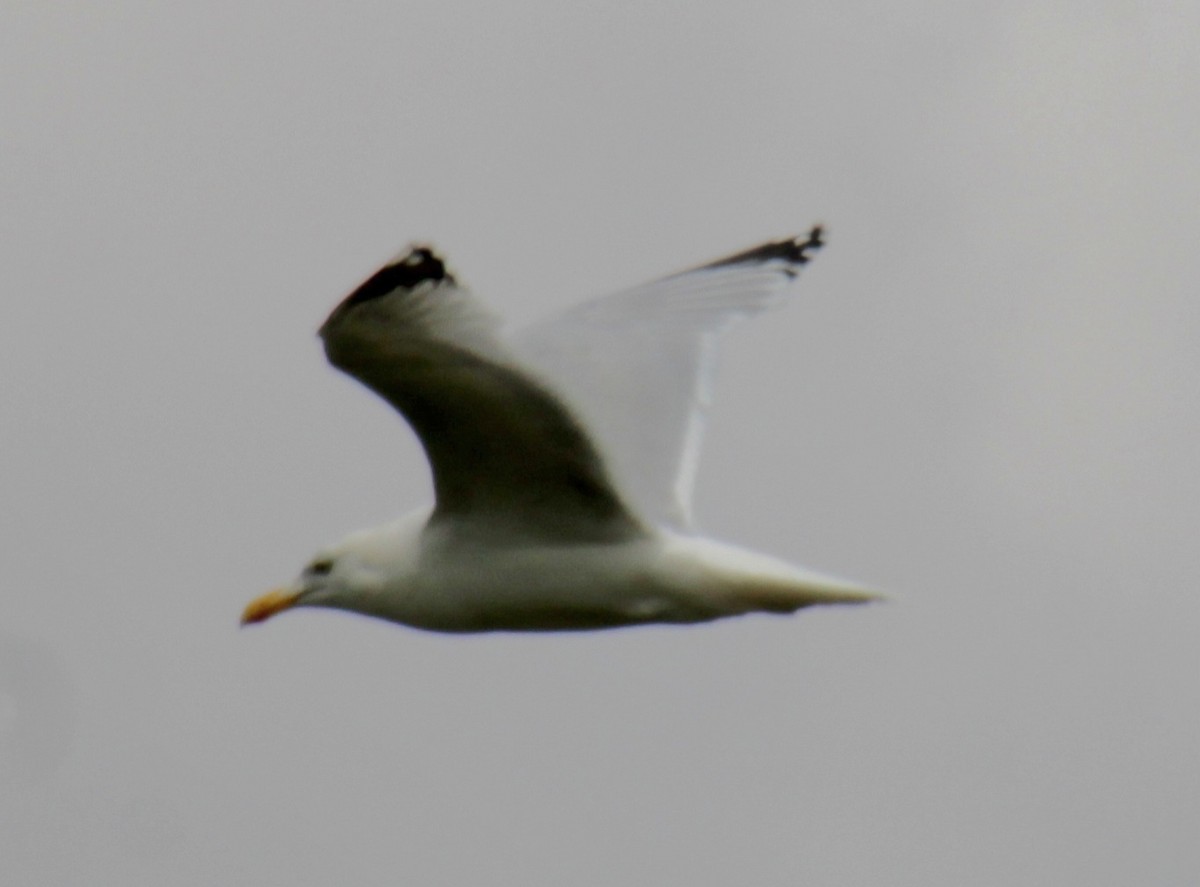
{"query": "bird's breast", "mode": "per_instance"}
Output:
(543, 588)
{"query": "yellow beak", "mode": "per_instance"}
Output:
(263, 608)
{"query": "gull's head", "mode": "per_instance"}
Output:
(365, 572)
(322, 583)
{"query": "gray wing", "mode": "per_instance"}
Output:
(504, 450)
(638, 366)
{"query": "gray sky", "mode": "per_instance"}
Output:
(983, 399)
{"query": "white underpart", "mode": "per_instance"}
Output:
(403, 573)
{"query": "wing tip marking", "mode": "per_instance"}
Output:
(794, 252)
(417, 264)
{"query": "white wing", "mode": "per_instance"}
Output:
(637, 366)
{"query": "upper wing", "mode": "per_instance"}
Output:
(637, 366)
(504, 450)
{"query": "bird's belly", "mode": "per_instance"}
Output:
(558, 588)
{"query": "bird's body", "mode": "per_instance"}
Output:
(416, 574)
(541, 523)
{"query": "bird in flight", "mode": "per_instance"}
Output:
(563, 455)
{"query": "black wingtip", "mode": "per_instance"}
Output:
(419, 264)
(416, 265)
(795, 252)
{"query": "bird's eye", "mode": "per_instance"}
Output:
(321, 567)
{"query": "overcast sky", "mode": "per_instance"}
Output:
(983, 399)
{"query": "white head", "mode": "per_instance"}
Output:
(350, 575)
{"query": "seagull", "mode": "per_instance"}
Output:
(563, 456)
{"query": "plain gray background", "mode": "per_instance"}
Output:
(983, 399)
